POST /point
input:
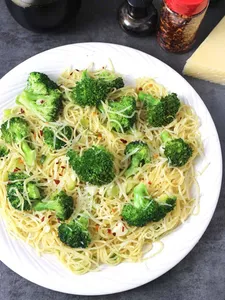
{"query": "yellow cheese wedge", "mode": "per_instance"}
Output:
(208, 61)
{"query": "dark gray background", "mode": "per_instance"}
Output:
(201, 275)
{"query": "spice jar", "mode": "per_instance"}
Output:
(179, 23)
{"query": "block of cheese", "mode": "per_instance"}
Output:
(208, 61)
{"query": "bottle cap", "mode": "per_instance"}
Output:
(187, 7)
(139, 3)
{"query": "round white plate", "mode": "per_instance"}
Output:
(47, 271)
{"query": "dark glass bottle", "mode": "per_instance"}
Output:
(138, 17)
(42, 15)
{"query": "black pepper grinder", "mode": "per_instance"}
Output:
(138, 17)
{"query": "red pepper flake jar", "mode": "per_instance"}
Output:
(179, 23)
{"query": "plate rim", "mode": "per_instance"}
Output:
(175, 261)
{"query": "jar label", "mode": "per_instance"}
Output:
(27, 3)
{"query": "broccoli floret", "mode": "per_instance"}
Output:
(40, 84)
(122, 113)
(75, 234)
(57, 140)
(33, 191)
(41, 96)
(17, 130)
(111, 78)
(19, 195)
(166, 204)
(60, 203)
(3, 151)
(91, 91)
(139, 155)
(95, 165)
(160, 112)
(145, 209)
(116, 83)
(177, 151)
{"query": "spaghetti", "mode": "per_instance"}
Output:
(113, 241)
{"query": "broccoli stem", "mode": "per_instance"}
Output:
(33, 191)
(131, 170)
(8, 113)
(165, 136)
(149, 99)
(140, 194)
(83, 221)
(50, 205)
(71, 182)
(29, 154)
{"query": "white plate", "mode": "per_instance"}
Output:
(47, 271)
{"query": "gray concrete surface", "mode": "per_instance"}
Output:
(201, 275)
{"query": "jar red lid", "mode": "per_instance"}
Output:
(187, 7)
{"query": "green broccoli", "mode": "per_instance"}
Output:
(166, 204)
(144, 209)
(94, 166)
(112, 79)
(33, 191)
(60, 203)
(41, 96)
(177, 151)
(91, 91)
(139, 155)
(59, 139)
(17, 130)
(3, 151)
(160, 112)
(122, 113)
(75, 234)
(20, 195)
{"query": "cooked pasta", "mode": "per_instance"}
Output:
(113, 241)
